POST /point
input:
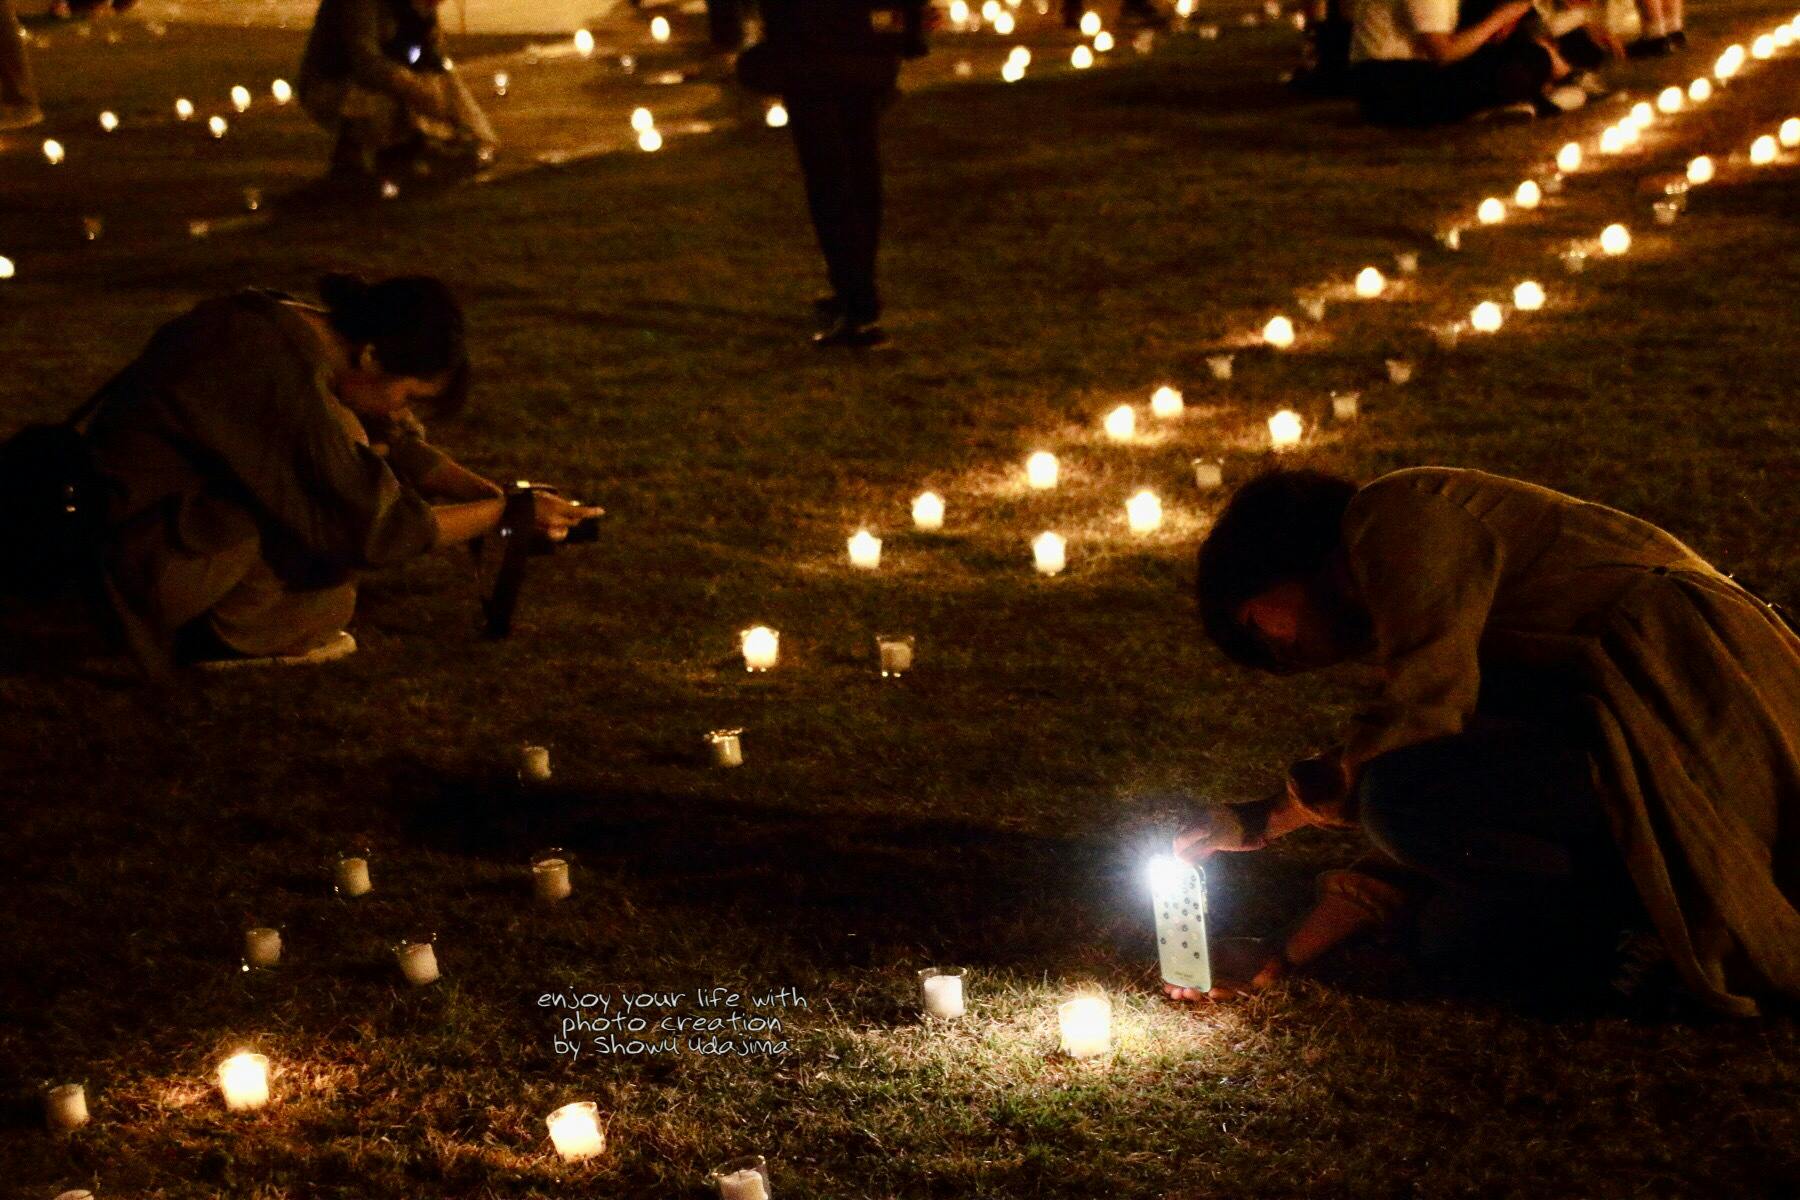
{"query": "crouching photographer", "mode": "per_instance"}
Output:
(262, 451)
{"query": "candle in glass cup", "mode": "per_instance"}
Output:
(1450, 238)
(1762, 151)
(1103, 42)
(1407, 262)
(217, 126)
(744, 1178)
(865, 550)
(1086, 1026)
(727, 747)
(1700, 91)
(1345, 405)
(1370, 283)
(1574, 260)
(1279, 332)
(1209, 474)
(54, 152)
(1700, 170)
(550, 879)
(1789, 133)
(1615, 240)
(761, 647)
(1081, 58)
(1143, 512)
(262, 947)
(534, 764)
(1219, 365)
(109, 122)
(1042, 470)
(941, 992)
(1400, 370)
(1166, 402)
(1491, 211)
(1568, 159)
(1049, 552)
(1121, 423)
(352, 875)
(1665, 211)
(895, 653)
(1447, 335)
(1528, 195)
(1286, 429)
(1528, 296)
(418, 962)
(584, 43)
(244, 1081)
(1486, 317)
(240, 98)
(282, 91)
(1313, 307)
(1670, 100)
(575, 1131)
(928, 512)
(65, 1107)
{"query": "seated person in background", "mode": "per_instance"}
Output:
(260, 451)
(1575, 727)
(375, 75)
(1660, 32)
(1411, 65)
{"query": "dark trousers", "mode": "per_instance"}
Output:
(725, 23)
(836, 138)
(16, 86)
(1505, 819)
(1416, 94)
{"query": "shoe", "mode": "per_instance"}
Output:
(857, 335)
(1561, 98)
(1678, 39)
(1519, 110)
(20, 116)
(1650, 47)
(338, 645)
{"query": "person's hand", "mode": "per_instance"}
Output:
(554, 516)
(1240, 968)
(1214, 829)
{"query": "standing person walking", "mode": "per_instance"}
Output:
(835, 64)
(18, 93)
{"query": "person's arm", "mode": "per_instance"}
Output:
(551, 514)
(1446, 48)
(450, 480)
(359, 27)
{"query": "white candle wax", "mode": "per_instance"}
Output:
(928, 512)
(1370, 283)
(534, 763)
(761, 646)
(941, 992)
(1144, 513)
(353, 876)
(244, 1082)
(65, 1107)
(1345, 405)
(1286, 429)
(744, 1184)
(727, 747)
(896, 655)
(418, 962)
(1086, 1026)
(1049, 552)
(1279, 333)
(1219, 365)
(575, 1131)
(1165, 402)
(1042, 470)
(1400, 370)
(550, 879)
(865, 550)
(1208, 474)
(262, 947)
(1121, 423)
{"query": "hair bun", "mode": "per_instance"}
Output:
(342, 293)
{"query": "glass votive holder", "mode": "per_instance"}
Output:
(1219, 365)
(1399, 370)
(941, 992)
(417, 959)
(92, 228)
(1450, 237)
(262, 948)
(252, 199)
(65, 1107)
(1345, 405)
(895, 651)
(727, 747)
(1209, 474)
(1447, 335)
(534, 764)
(350, 876)
(1552, 184)
(550, 880)
(745, 1178)
(1313, 306)
(1666, 211)
(1574, 260)
(1407, 262)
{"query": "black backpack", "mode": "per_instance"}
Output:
(53, 502)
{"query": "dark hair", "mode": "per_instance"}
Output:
(414, 325)
(1280, 526)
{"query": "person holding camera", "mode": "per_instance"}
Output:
(835, 64)
(376, 76)
(1581, 747)
(261, 451)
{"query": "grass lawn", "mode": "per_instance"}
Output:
(1054, 248)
